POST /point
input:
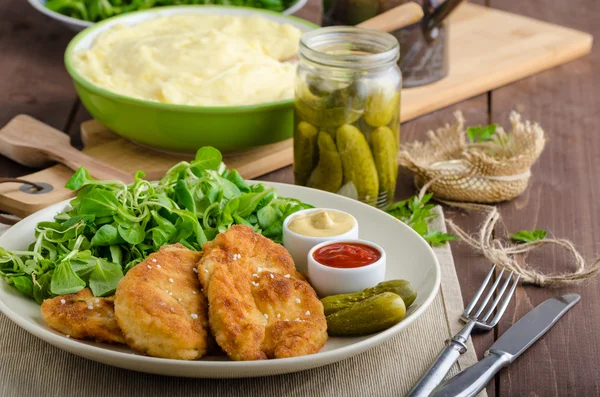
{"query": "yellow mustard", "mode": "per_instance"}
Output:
(199, 60)
(321, 223)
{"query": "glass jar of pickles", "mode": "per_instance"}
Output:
(347, 113)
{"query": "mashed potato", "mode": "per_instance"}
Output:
(200, 60)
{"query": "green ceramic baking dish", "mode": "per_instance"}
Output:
(181, 128)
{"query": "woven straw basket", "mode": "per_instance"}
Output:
(488, 172)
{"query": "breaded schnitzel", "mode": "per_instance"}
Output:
(160, 308)
(83, 316)
(259, 306)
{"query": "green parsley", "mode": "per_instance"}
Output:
(527, 236)
(415, 213)
(481, 134)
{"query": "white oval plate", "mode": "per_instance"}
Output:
(409, 257)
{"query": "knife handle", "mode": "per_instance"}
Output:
(438, 370)
(473, 379)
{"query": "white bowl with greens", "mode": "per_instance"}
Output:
(78, 15)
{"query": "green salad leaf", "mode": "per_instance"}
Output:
(105, 277)
(110, 227)
(65, 280)
(107, 235)
(23, 283)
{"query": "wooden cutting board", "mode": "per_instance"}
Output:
(488, 49)
(104, 145)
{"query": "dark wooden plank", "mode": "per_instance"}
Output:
(561, 199)
(34, 80)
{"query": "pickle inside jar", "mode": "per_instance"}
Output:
(357, 163)
(327, 175)
(394, 126)
(384, 154)
(382, 106)
(325, 104)
(305, 151)
(349, 111)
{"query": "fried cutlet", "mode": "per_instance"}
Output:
(160, 308)
(83, 316)
(259, 306)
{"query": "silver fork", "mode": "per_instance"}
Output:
(456, 346)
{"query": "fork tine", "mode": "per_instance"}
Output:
(490, 294)
(498, 297)
(505, 303)
(479, 291)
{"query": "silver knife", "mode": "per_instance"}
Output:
(505, 350)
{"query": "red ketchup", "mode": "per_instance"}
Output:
(346, 255)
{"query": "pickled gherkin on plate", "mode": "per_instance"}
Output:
(371, 310)
(327, 175)
(402, 288)
(357, 162)
(373, 314)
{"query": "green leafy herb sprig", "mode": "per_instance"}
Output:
(110, 227)
(481, 134)
(491, 139)
(97, 10)
(415, 213)
(528, 236)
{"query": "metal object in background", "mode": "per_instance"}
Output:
(26, 187)
(29, 187)
(424, 55)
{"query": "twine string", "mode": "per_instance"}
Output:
(502, 253)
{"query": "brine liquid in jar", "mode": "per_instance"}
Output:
(347, 113)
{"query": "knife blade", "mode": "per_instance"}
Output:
(507, 348)
(534, 324)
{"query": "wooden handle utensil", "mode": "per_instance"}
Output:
(394, 19)
(22, 197)
(35, 144)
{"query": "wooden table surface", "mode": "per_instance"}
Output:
(563, 197)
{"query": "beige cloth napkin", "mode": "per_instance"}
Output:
(31, 367)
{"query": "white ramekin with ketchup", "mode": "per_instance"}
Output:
(345, 266)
